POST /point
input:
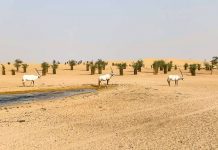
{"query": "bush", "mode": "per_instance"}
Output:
(193, 68)
(185, 66)
(121, 67)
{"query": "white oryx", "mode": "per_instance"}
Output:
(31, 78)
(105, 77)
(175, 78)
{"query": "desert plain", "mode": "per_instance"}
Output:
(135, 112)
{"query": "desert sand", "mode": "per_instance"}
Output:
(135, 112)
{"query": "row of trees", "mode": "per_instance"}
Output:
(162, 66)
(208, 66)
(158, 65)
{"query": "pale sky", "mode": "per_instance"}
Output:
(43, 30)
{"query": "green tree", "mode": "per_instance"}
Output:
(207, 66)
(17, 64)
(175, 67)
(100, 63)
(140, 65)
(214, 62)
(185, 66)
(170, 65)
(3, 70)
(156, 66)
(165, 68)
(161, 64)
(121, 67)
(193, 68)
(87, 66)
(93, 68)
(135, 67)
(72, 63)
(45, 67)
(54, 66)
(13, 72)
(25, 66)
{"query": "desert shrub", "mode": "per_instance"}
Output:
(135, 67)
(161, 64)
(156, 67)
(186, 66)
(25, 66)
(165, 68)
(99, 64)
(45, 67)
(193, 68)
(170, 65)
(3, 70)
(121, 67)
(140, 65)
(54, 66)
(93, 68)
(17, 64)
(175, 67)
(13, 72)
(72, 63)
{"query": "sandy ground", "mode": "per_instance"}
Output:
(140, 112)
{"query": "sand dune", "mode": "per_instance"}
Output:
(138, 112)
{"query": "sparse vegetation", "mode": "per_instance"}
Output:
(170, 65)
(3, 70)
(13, 72)
(193, 68)
(175, 67)
(17, 64)
(214, 62)
(140, 65)
(87, 66)
(165, 68)
(45, 67)
(25, 66)
(186, 66)
(161, 64)
(104, 64)
(207, 66)
(72, 63)
(93, 67)
(135, 67)
(156, 65)
(121, 67)
(100, 63)
(199, 66)
(54, 66)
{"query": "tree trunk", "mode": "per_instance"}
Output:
(54, 71)
(71, 67)
(87, 67)
(121, 72)
(135, 71)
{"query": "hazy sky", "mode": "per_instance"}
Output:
(37, 30)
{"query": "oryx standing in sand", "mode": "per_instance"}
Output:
(31, 78)
(105, 77)
(175, 78)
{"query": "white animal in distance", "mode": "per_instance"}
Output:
(31, 78)
(175, 78)
(105, 77)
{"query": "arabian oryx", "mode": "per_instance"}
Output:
(31, 78)
(175, 78)
(105, 77)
